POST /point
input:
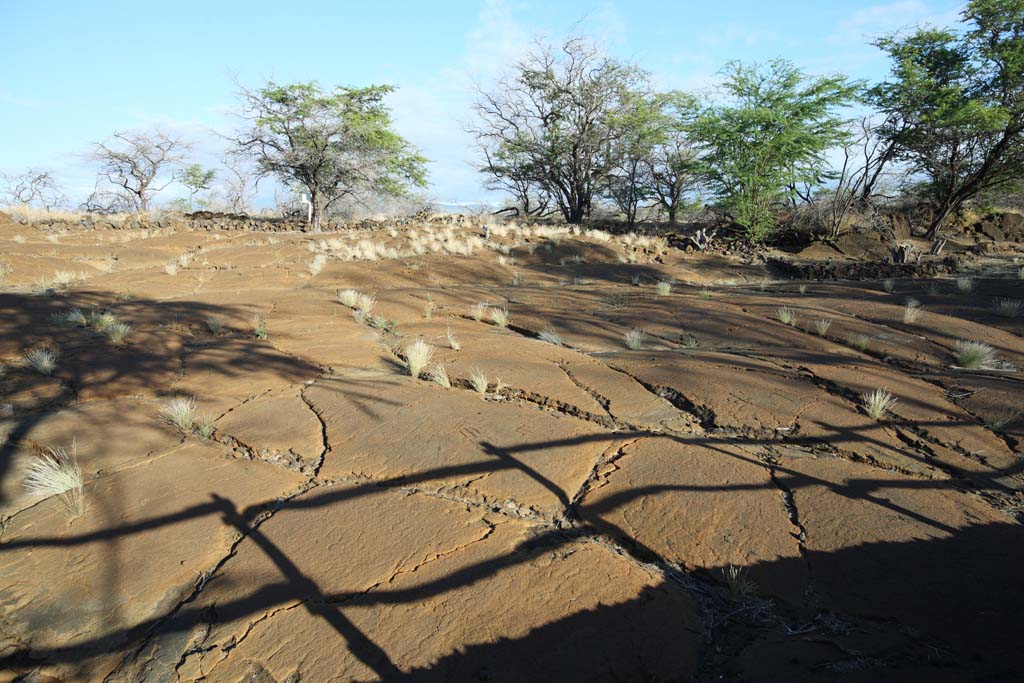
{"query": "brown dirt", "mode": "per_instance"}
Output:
(717, 505)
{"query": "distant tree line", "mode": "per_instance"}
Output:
(326, 145)
(570, 129)
(570, 126)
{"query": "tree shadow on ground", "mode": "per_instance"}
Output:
(957, 586)
(90, 366)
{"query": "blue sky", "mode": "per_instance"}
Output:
(73, 72)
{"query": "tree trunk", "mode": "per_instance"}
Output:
(314, 218)
(672, 216)
(938, 221)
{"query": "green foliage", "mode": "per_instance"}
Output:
(771, 136)
(196, 179)
(551, 127)
(673, 166)
(650, 158)
(334, 144)
(955, 104)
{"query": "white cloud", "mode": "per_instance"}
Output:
(432, 114)
(869, 22)
(7, 97)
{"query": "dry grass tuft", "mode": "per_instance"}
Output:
(478, 380)
(204, 428)
(453, 342)
(912, 311)
(56, 472)
(477, 311)
(1007, 308)
(216, 324)
(171, 268)
(877, 403)
(965, 284)
(550, 336)
(365, 303)
(259, 327)
(118, 332)
(889, 285)
(821, 326)
(42, 360)
(786, 315)
(1002, 420)
(74, 316)
(418, 356)
(859, 341)
(739, 584)
(974, 355)
(663, 288)
(101, 321)
(348, 297)
(438, 375)
(316, 266)
(499, 316)
(180, 413)
(635, 339)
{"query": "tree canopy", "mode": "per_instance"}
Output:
(550, 126)
(955, 104)
(770, 136)
(333, 144)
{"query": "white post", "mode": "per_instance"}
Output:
(309, 208)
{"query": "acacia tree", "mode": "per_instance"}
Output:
(769, 138)
(553, 115)
(333, 144)
(956, 104)
(513, 171)
(673, 165)
(134, 161)
(196, 179)
(34, 187)
(641, 120)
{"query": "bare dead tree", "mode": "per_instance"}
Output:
(863, 158)
(133, 162)
(106, 201)
(34, 187)
(239, 183)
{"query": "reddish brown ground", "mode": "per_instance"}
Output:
(579, 522)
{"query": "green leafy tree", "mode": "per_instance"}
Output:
(955, 104)
(333, 144)
(196, 179)
(673, 166)
(641, 119)
(512, 170)
(552, 121)
(769, 137)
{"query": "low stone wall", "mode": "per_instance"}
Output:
(206, 220)
(864, 270)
